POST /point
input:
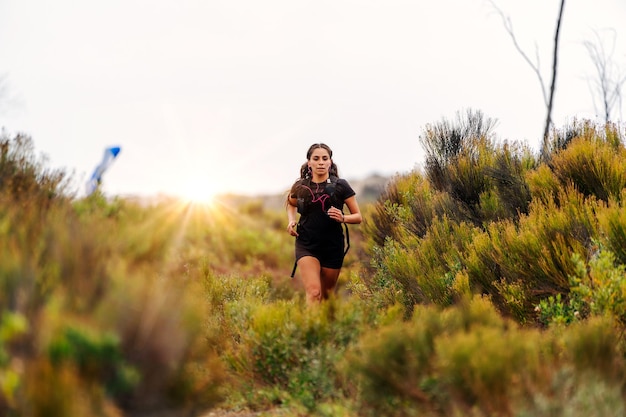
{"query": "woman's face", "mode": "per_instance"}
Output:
(320, 161)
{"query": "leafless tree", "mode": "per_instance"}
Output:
(610, 77)
(548, 97)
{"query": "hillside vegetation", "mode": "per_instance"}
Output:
(489, 283)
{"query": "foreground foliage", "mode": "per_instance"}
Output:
(487, 285)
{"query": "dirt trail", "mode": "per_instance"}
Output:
(226, 413)
(213, 413)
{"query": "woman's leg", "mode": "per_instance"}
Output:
(311, 280)
(328, 280)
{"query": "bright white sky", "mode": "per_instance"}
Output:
(210, 96)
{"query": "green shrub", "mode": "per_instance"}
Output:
(520, 264)
(556, 311)
(445, 141)
(486, 181)
(97, 357)
(595, 346)
(559, 139)
(391, 368)
(508, 175)
(59, 391)
(488, 366)
(593, 166)
(164, 326)
(612, 221)
(599, 286)
(47, 251)
(13, 326)
(445, 361)
(24, 178)
(468, 360)
(574, 395)
(295, 350)
(544, 185)
(390, 214)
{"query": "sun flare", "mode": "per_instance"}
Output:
(198, 194)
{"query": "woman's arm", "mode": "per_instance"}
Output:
(292, 214)
(355, 212)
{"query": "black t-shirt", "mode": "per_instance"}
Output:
(315, 228)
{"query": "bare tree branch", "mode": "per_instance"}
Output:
(508, 26)
(610, 78)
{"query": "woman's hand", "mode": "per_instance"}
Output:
(291, 228)
(335, 214)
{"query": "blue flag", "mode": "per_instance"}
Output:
(96, 178)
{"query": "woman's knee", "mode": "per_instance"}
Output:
(314, 293)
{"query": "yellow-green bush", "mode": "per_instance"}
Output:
(593, 164)
(60, 392)
(612, 223)
(519, 264)
(423, 226)
(468, 360)
(13, 326)
(426, 267)
(292, 352)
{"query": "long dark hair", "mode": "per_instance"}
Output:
(305, 174)
(304, 169)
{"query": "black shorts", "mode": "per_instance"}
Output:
(329, 257)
